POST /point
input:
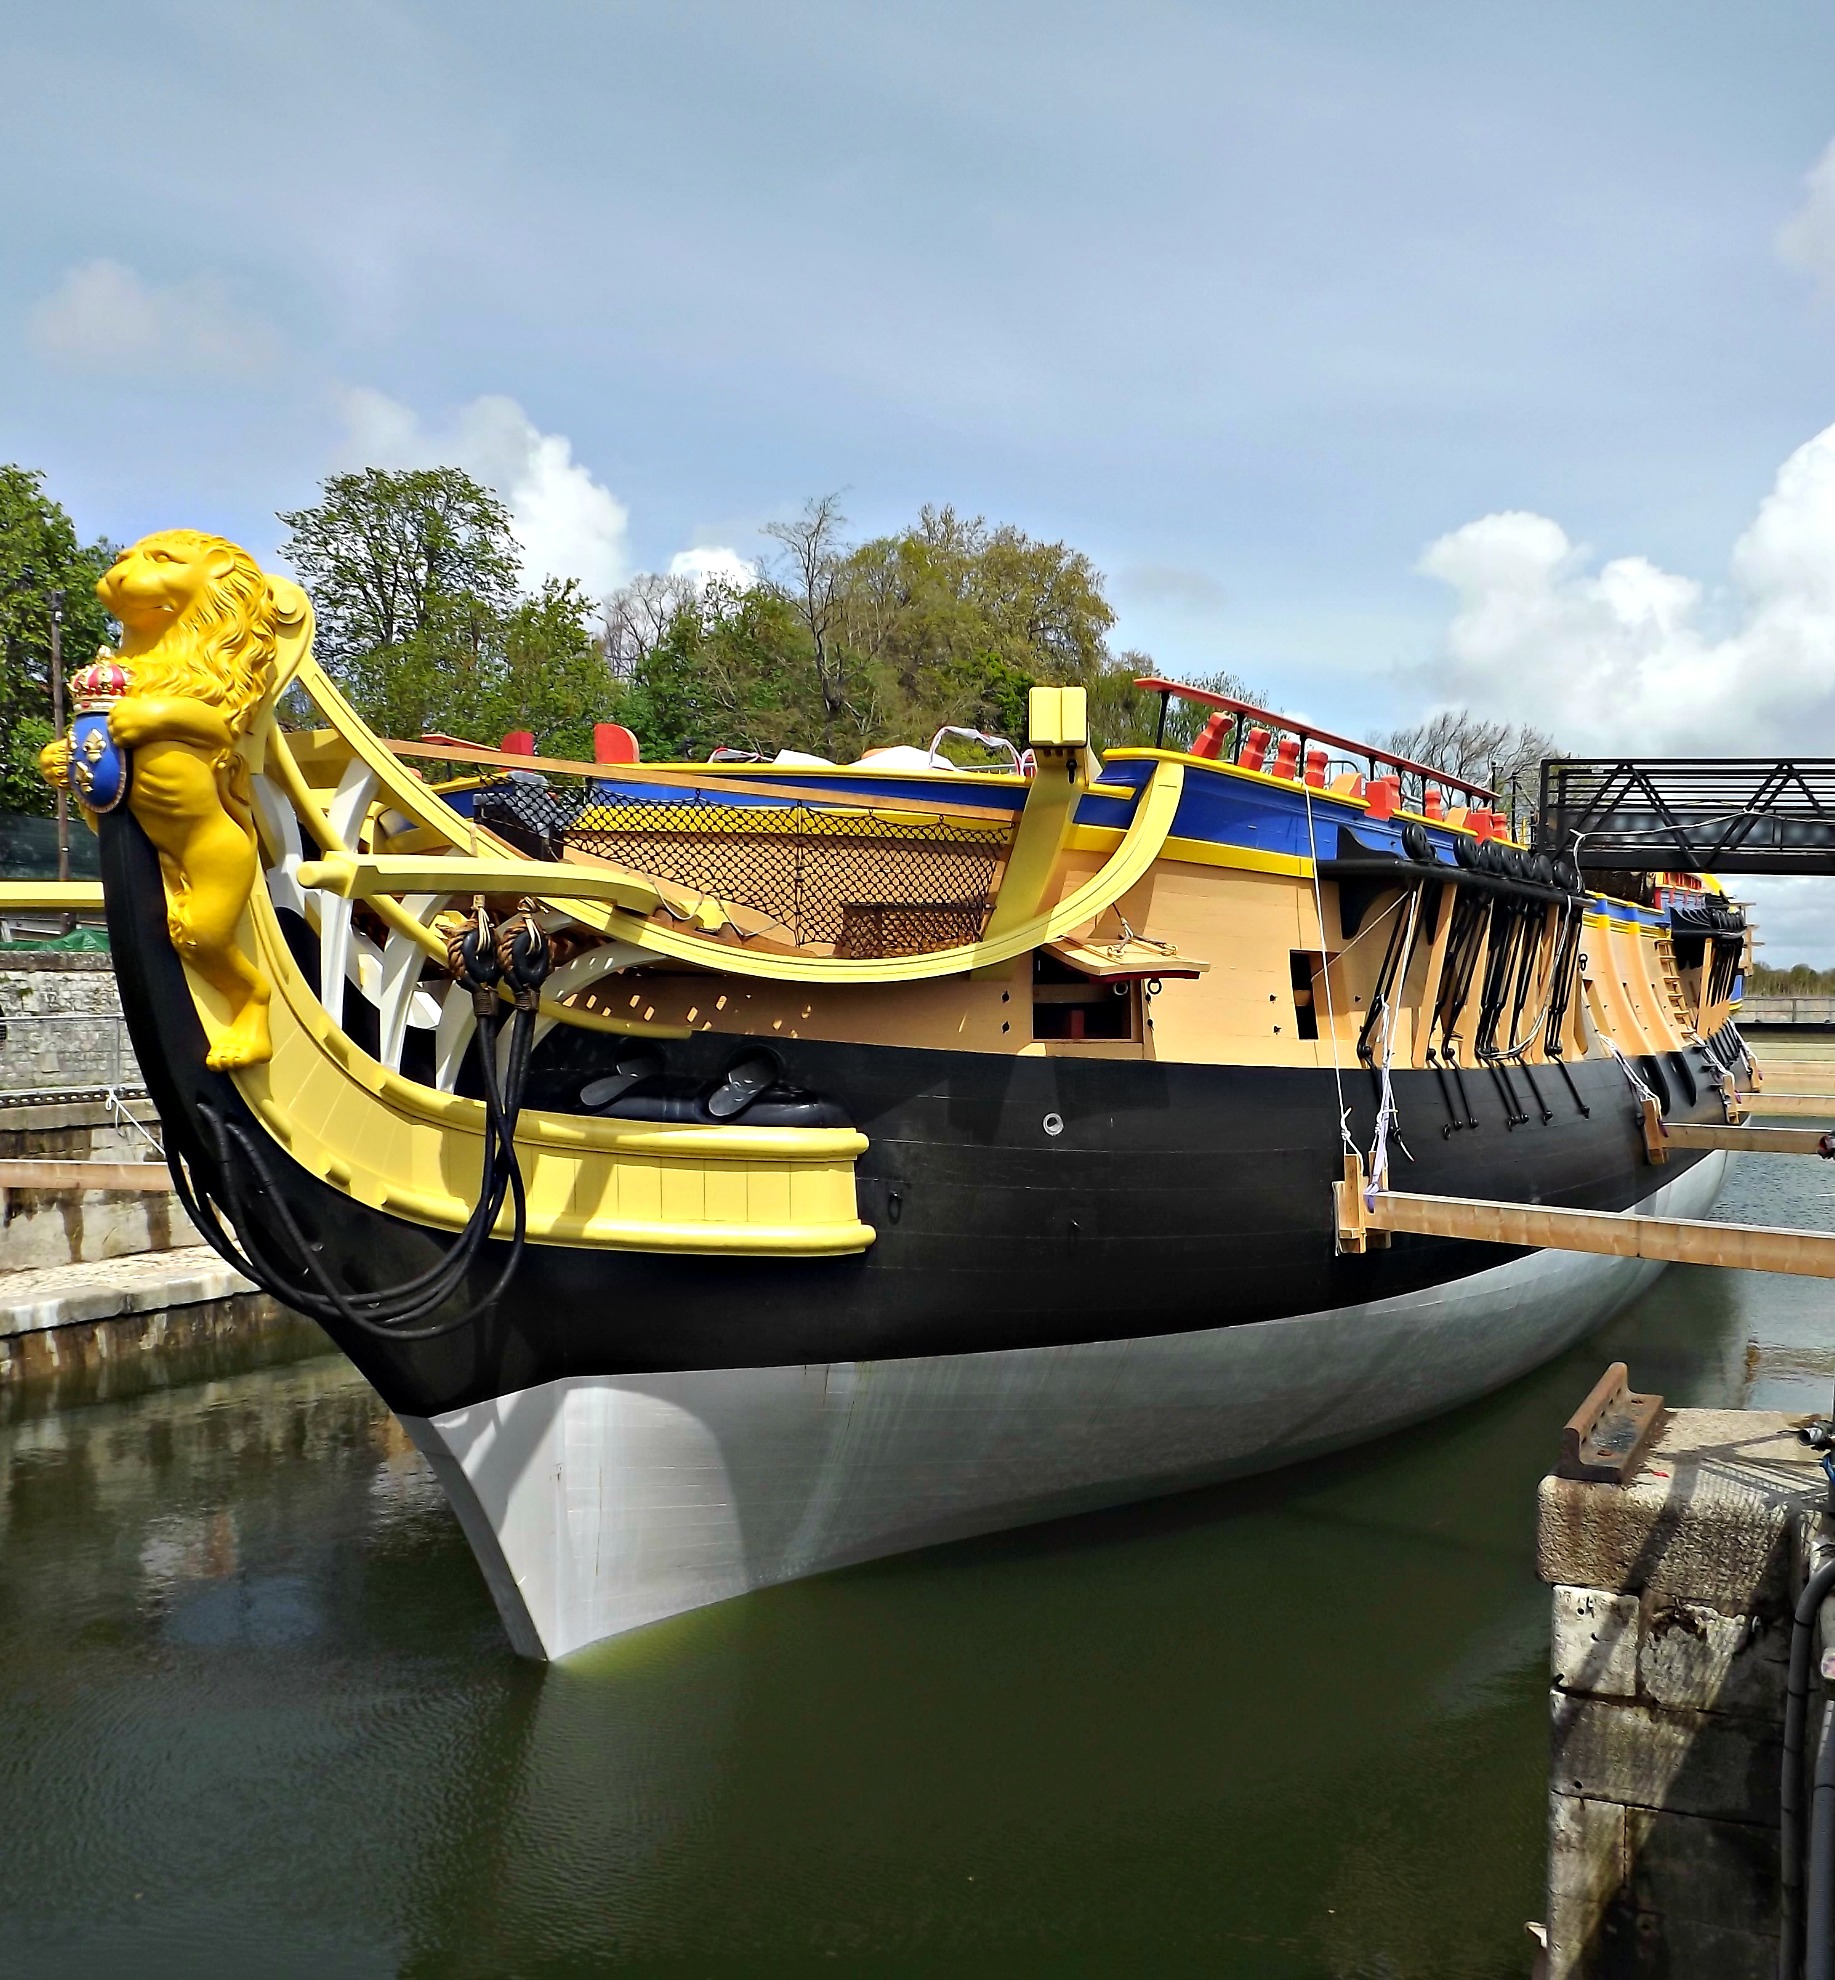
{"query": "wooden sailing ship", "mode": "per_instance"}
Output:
(727, 1171)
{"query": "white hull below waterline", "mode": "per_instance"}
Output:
(596, 1505)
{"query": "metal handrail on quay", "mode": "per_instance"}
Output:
(47, 1051)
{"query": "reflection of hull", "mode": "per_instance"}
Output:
(599, 1503)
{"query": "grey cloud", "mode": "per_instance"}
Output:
(1172, 588)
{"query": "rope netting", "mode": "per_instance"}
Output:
(858, 881)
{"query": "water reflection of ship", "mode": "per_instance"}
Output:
(908, 1152)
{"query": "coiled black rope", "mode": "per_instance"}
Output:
(519, 956)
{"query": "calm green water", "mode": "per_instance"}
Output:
(256, 1716)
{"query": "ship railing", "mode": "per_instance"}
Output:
(392, 953)
(1416, 779)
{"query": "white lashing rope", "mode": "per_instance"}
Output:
(1325, 972)
(1388, 1115)
(1639, 1086)
(123, 1117)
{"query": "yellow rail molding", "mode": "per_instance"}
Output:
(368, 877)
(362, 876)
(386, 1140)
(50, 896)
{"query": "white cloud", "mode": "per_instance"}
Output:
(567, 524)
(105, 317)
(1792, 916)
(1634, 657)
(709, 561)
(1807, 238)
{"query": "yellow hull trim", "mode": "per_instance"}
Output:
(1200, 852)
(416, 1153)
(50, 897)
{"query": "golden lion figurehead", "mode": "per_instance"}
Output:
(199, 620)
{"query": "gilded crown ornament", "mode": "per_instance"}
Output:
(98, 769)
(101, 683)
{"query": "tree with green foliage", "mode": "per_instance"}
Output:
(729, 668)
(839, 647)
(413, 578)
(553, 679)
(814, 589)
(1798, 980)
(40, 553)
(845, 646)
(957, 620)
(387, 556)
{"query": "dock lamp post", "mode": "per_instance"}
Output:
(57, 728)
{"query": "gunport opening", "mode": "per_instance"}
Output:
(1305, 967)
(1068, 1005)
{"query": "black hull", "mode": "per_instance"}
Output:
(1174, 1198)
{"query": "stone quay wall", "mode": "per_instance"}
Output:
(61, 1028)
(1672, 1600)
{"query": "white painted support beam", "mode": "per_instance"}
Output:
(345, 814)
(281, 828)
(402, 962)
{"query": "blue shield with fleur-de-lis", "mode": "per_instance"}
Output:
(98, 764)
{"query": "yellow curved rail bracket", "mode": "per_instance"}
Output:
(1141, 844)
(596, 895)
(385, 1140)
(365, 877)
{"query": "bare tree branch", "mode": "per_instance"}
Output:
(816, 557)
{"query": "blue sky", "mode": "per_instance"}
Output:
(1389, 356)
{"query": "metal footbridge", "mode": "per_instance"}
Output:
(1734, 814)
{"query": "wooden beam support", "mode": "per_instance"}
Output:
(1348, 1203)
(1753, 1140)
(1661, 1136)
(360, 876)
(1612, 1234)
(31, 1173)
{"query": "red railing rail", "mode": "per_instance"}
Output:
(1246, 712)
